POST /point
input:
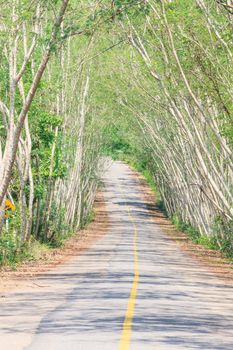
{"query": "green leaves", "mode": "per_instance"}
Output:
(44, 136)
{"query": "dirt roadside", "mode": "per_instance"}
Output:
(26, 273)
(211, 259)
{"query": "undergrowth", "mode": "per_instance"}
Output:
(220, 239)
(13, 252)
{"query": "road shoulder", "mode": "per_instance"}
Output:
(25, 275)
(212, 260)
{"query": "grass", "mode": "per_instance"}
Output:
(221, 238)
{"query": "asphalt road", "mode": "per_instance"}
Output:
(134, 289)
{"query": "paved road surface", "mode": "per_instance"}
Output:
(134, 289)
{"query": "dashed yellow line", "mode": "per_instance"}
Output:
(127, 325)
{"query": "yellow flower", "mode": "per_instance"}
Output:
(9, 206)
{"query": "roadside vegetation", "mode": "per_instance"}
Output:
(148, 82)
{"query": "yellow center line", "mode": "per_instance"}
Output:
(127, 325)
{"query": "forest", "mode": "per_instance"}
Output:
(148, 82)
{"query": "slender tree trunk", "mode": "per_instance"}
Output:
(12, 143)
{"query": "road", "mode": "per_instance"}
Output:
(133, 289)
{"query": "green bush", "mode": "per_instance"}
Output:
(11, 252)
(8, 249)
(223, 235)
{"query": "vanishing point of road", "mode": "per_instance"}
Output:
(132, 290)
